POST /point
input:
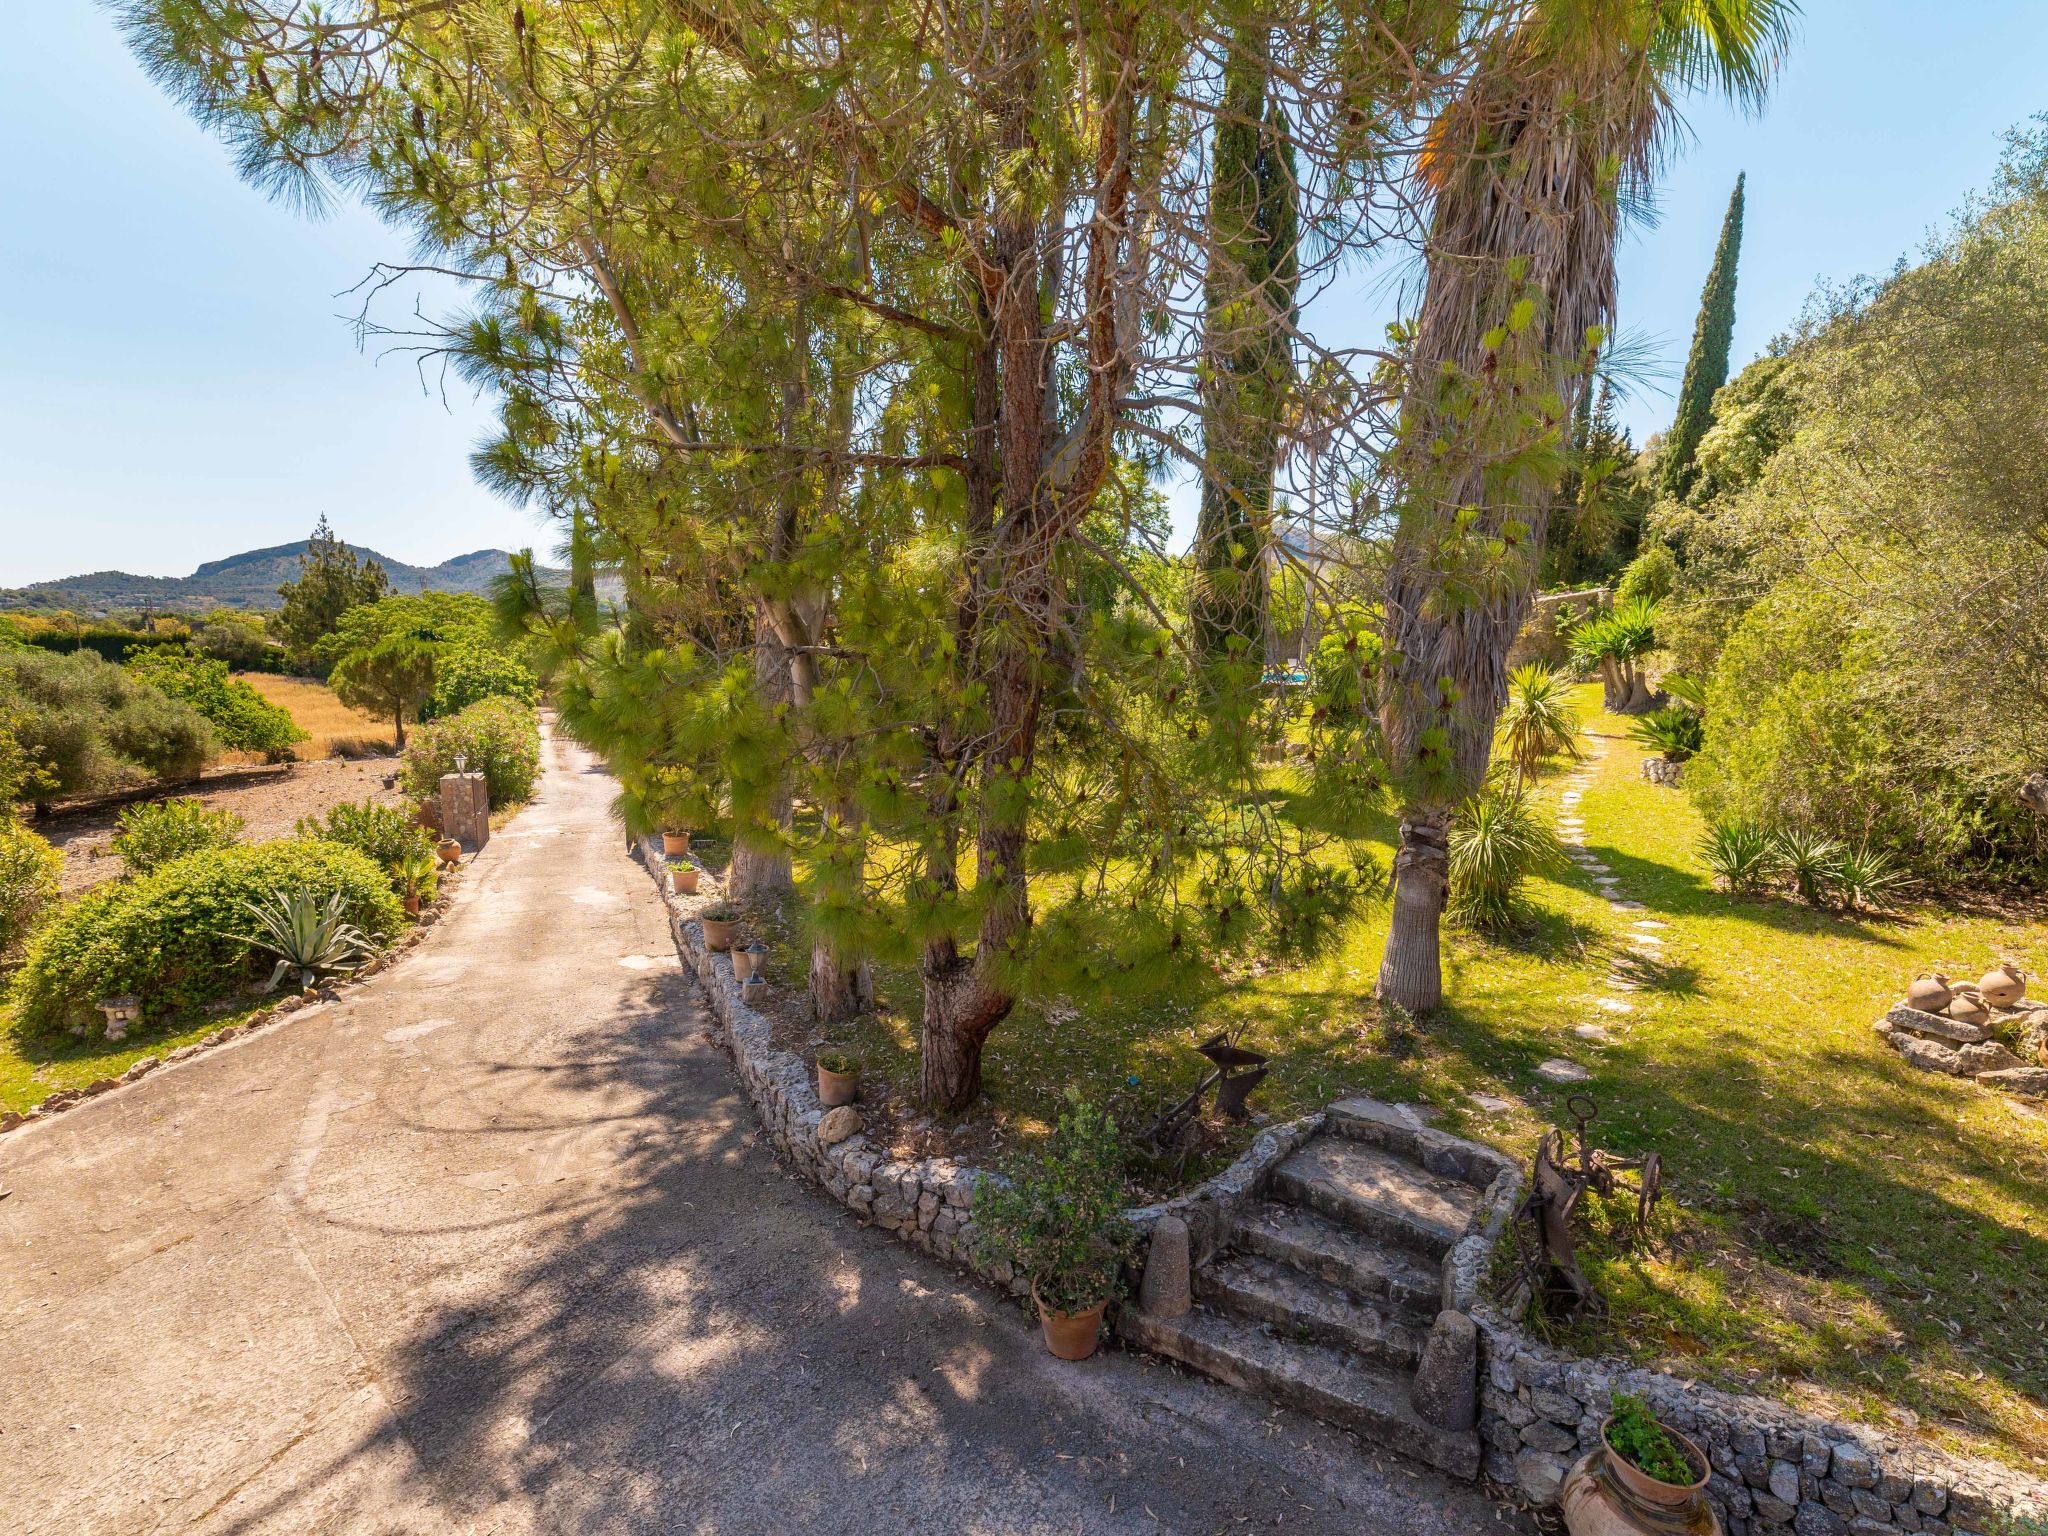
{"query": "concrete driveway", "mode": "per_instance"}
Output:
(491, 1245)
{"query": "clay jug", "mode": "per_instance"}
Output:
(1604, 1496)
(1966, 1007)
(1929, 993)
(2003, 985)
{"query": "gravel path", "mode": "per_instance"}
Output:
(490, 1245)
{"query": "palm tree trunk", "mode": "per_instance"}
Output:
(1411, 971)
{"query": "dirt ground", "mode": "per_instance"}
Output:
(268, 803)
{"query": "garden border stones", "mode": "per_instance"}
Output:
(70, 1098)
(1775, 1469)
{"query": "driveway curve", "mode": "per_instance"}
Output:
(490, 1244)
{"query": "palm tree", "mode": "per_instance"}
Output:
(1529, 170)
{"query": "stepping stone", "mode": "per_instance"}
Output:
(1493, 1104)
(1592, 1032)
(1629, 906)
(1613, 1005)
(1623, 984)
(1595, 866)
(1646, 939)
(1647, 923)
(1558, 1070)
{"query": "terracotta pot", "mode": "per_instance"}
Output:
(1966, 1007)
(2003, 985)
(449, 850)
(411, 905)
(1929, 993)
(1070, 1335)
(674, 843)
(718, 935)
(743, 961)
(837, 1088)
(1605, 1496)
(684, 877)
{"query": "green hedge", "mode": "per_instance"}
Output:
(169, 937)
(94, 727)
(243, 720)
(29, 871)
(497, 737)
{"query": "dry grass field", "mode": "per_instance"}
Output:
(335, 729)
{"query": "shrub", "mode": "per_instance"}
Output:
(242, 719)
(1498, 840)
(499, 738)
(1058, 1216)
(1650, 576)
(383, 832)
(29, 868)
(1675, 732)
(151, 836)
(1812, 860)
(1742, 853)
(1643, 1443)
(93, 727)
(170, 937)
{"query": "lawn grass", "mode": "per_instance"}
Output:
(34, 1067)
(333, 729)
(1839, 1229)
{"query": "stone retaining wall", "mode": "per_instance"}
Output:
(1775, 1470)
(1539, 1409)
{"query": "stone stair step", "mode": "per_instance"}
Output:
(1341, 1256)
(1364, 1186)
(1334, 1385)
(1395, 1128)
(1297, 1306)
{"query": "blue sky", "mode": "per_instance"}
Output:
(178, 380)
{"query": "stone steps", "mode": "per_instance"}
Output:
(1335, 1385)
(1379, 1192)
(1297, 1304)
(1339, 1255)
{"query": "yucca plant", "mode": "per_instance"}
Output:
(1674, 732)
(1690, 692)
(1812, 860)
(416, 873)
(1498, 840)
(311, 937)
(1538, 720)
(1865, 878)
(1742, 853)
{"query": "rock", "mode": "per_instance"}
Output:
(1166, 1290)
(838, 1125)
(1557, 1070)
(1542, 1435)
(10, 1119)
(1985, 1056)
(2031, 1081)
(1935, 1027)
(1538, 1476)
(1785, 1484)
(1925, 1054)
(1445, 1391)
(1818, 1520)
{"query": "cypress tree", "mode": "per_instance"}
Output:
(1706, 369)
(1250, 315)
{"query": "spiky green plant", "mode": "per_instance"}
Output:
(313, 938)
(416, 873)
(1742, 853)
(1865, 878)
(1675, 732)
(1498, 840)
(1812, 860)
(1539, 719)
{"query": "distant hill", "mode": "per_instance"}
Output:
(247, 580)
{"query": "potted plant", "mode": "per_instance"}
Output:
(1058, 1217)
(676, 844)
(838, 1078)
(1655, 1466)
(414, 873)
(683, 877)
(720, 921)
(746, 962)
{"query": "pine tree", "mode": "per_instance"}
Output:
(332, 579)
(1706, 369)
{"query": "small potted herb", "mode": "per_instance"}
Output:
(720, 923)
(838, 1079)
(682, 875)
(1654, 1465)
(1058, 1217)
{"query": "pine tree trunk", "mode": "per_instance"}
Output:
(760, 872)
(841, 989)
(398, 729)
(1411, 971)
(960, 1010)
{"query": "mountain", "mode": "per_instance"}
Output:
(247, 580)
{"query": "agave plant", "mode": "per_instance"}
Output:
(1675, 732)
(1742, 853)
(1866, 877)
(1813, 860)
(1498, 840)
(311, 937)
